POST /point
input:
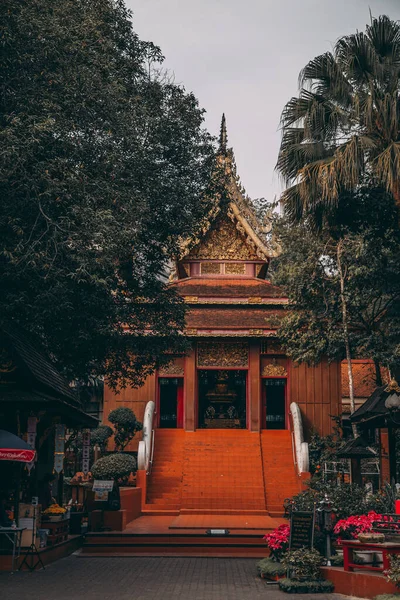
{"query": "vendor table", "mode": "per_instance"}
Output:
(14, 534)
(58, 531)
(351, 546)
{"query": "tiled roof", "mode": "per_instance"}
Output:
(355, 448)
(38, 365)
(363, 376)
(227, 287)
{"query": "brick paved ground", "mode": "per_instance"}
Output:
(133, 578)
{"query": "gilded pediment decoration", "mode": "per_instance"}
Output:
(223, 242)
(273, 369)
(171, 369)
(224, 354)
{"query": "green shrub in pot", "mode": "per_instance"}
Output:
(303, 564)
(116, 466)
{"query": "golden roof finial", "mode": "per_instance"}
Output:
(223, 136)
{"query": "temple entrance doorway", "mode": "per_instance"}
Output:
(170, 402)
(222, 399)
(274, 403)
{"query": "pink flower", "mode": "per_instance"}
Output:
(356, 524)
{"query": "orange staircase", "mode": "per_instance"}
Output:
(222, 471)
(165, 483)
(280, 478)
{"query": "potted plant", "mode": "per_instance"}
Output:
(54, 513)
(303, 565)
(359, 527)
(270, 569)
(278, 541)
(117, 466)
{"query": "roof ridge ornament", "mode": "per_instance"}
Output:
(223, 136)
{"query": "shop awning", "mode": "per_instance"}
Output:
(15, 449)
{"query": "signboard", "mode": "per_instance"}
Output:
(301, 530)
(103, 486)
(101, 496)
(17, 454)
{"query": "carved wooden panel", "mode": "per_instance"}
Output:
(222, 354)
(235, 268)
(210, 268)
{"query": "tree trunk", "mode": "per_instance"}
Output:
(378, 374)
(346, 333)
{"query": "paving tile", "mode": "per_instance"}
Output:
(140, 578)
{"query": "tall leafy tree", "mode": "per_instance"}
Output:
(344, 124)
(344, 285)
(105, 166)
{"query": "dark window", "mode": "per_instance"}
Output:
(171, 402)
(275, 403)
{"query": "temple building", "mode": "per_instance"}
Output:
(223, 424)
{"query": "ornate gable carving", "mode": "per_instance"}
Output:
(223, 242)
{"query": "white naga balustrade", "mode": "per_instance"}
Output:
(146, 446)
(300, 446)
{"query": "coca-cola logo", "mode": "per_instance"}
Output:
(19, 455)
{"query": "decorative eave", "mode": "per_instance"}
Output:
(253, 301)
(193, 332)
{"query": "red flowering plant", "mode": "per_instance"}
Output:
(278, 541)
(348, 529)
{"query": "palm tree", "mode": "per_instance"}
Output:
(344, 126)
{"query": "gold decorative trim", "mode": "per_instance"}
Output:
(255, 300)
(274, 370)
(186, 268)
(258, 269)
(171, 369)
(214, 354)
(235, 268)
(256, 331)
(210, 268)
(191, 331)
(393, 386)
(191, 299)
(224, 241)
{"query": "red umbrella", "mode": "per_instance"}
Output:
(13, 448)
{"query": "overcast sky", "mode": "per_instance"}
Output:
(243, 57)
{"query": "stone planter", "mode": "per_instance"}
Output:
(366, 556)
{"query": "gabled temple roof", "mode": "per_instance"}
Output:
(236, 206)
(251, 290)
